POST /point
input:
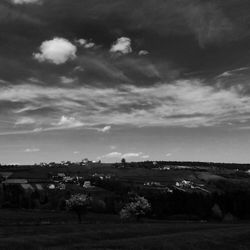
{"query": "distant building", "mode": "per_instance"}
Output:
(85, 161)
(15, 181)
(62, 175)
(87, 184)
(6, 175)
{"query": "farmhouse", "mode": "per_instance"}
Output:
(21, 192)
(6, 175)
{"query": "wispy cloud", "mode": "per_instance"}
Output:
(112, 155)
(185, 103)
(31, 150)
(125, 155)
(131, 155)
(25, 121)
(25, 1)
(67, 80)
(232, 72)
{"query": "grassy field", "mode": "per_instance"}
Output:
(104, 232)
(130, 174)
(139, 175)
(34, 229)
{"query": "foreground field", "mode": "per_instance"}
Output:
(97, 232)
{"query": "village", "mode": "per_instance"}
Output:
(48, 186)
(87, 193)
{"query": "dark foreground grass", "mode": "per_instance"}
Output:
(26, 230)
(134, 236)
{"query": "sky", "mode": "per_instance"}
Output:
(111, 79)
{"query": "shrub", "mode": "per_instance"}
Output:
(137, 208)
(98, 206)
(216, 212)
(78, 203)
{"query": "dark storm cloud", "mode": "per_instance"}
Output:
(189, 35)
(101, 19)
(10, 13)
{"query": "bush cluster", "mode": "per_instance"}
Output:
(77, 201)
(137, 208)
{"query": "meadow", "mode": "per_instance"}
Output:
(28, 229)
(56, 230)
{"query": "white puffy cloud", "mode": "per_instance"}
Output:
(25, 1)
(105, 129)
(85, 43)
(31, 150)
(122, 45)
(68, 122)
(82, 41)
(145, 156)
(57, 51)
(67, 80)
(89, 45)
(143, 53)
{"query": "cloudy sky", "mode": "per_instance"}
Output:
(106, 79)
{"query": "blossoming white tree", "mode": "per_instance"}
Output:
(78, 203)
(137, 208)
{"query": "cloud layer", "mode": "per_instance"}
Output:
(25, 1)
(129, 156)
(186, 103)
